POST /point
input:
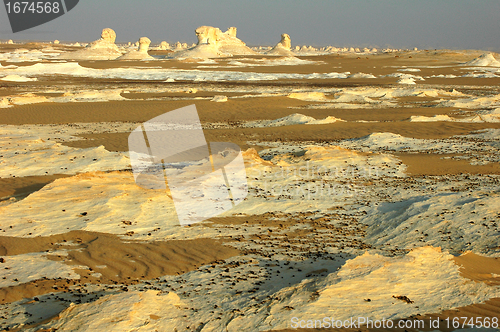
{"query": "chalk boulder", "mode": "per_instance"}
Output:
(283, 48)
(164, 45)
(101, 49)
(141, 53)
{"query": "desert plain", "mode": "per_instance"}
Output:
(373, 189)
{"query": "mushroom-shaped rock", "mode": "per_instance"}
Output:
(283, 47)
(141, 53)
(107, 41)
(101, 49)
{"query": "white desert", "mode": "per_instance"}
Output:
(372, 178)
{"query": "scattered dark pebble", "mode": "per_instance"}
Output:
(403, 298)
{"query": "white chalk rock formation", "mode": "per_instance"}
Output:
(213, 43)
(101, 49)
(485, 60)
(231, 31)
(164, 45)
(178, 46)
(56, 42)
(283, 48)
(141, 53)
(10, 42)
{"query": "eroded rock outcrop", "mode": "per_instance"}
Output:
(164, 45)
(213, 43)
(283, 48)
(485, 60)
(101, 49)
(141, 53)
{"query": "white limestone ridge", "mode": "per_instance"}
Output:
(485, 60)
(101, 49)
(283, 47)
(141, 53)
(213, 43)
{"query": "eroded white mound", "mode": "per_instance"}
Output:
(283, 47)
(485, 60)
(141, 53)
(213, 43)
(101, 49)
(290, 120)
(17, 78)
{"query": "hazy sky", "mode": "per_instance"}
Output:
(455, 24)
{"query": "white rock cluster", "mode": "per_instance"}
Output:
(213, 43)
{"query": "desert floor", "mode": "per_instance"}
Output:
(412, 209)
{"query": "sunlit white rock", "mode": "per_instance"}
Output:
(283, 47)
(141, 53)
(213, 43)
(101, 49)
